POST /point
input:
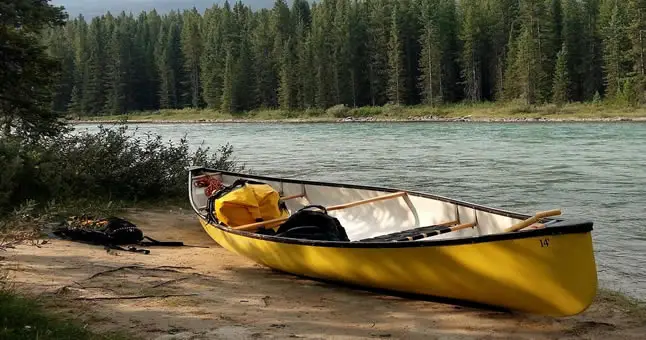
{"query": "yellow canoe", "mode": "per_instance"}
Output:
(547, 268)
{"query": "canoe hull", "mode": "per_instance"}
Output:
(544, 274)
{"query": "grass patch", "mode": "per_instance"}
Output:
(486, 110)
(26, 318)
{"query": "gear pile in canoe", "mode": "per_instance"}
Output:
(401, 241)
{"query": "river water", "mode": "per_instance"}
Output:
(592, 171)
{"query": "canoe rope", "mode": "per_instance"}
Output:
(212, 184)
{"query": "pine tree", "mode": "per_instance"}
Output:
(212, 60)
(502, 24)
(573, 34)
(471, 50)
(561, 78)
(527, 77)
(638, 37)
(341, 53)
(380, 23)
(430, 80)
(60, 48)
(556, 14)
(228, 90)
(245, 80)
(117, 69)
(410, 32)
(449, 30)
(166, 75)
(322, 52)
(81, 76)
(264, 60)
(616, 46)
(192, 51)
(396, 67)
(592, 51)
(148, 42)
(286, 91)
(526, 67)
(74, 106)
(27, 72)
(307, 88)
(359, 57)
(95, 83)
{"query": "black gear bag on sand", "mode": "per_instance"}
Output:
(111, 232)
(310, 225)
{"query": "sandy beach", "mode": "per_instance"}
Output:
(205, 292)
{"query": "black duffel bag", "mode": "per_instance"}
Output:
(310, 224)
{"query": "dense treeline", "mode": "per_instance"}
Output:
(353, 52)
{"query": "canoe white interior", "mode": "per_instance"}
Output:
(382, 217)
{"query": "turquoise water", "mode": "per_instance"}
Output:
(592, 171)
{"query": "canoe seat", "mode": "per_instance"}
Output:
(414, 234)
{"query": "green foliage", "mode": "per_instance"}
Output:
(397, 71)
(338, 111)
(27, 73)
(25, 318)
(561, 78)
(111, 164)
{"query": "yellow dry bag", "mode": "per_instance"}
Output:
(247, 202)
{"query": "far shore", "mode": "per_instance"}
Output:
(483, 112)
(359, 120)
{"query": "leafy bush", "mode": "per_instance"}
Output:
(108, 165)
(338, 111)
(366, 111)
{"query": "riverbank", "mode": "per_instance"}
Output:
(485, 112)
(204, 291)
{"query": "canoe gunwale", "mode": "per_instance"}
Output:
(559, 227)
(578, 228)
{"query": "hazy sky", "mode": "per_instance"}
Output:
(90, 8)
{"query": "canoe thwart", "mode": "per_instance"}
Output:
(256, 225)
(533, 219)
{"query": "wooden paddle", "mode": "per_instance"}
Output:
(253, 226)
(532, 220)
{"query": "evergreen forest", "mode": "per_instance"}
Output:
(302, 55)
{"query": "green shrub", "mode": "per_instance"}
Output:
(366, 111)
(338, 111)
(110, 164)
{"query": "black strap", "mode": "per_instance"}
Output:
(154, 242)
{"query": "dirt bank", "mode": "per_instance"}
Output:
(229, 297)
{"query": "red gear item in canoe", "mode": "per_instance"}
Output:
(212, 184)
